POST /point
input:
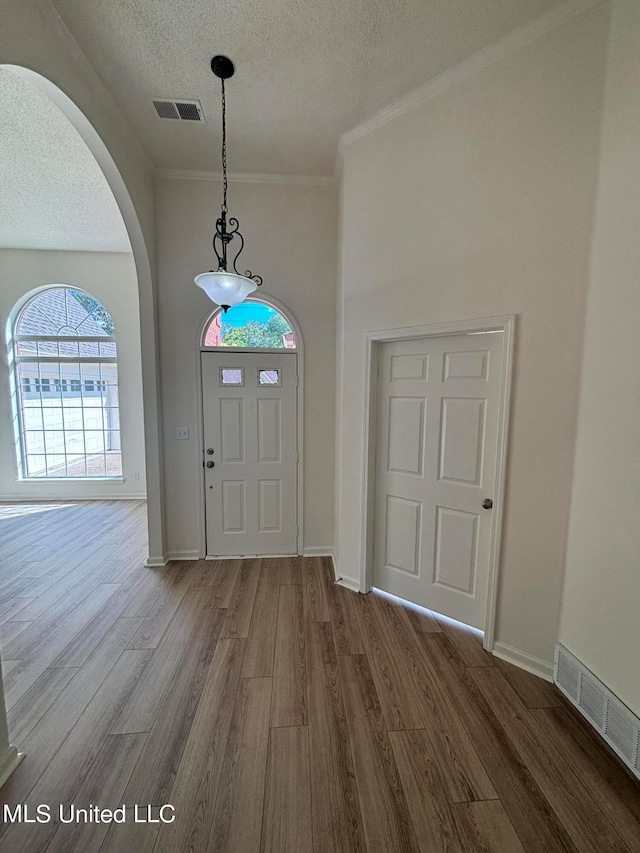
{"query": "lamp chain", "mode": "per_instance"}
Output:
(224, 149)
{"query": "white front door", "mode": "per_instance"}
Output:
(250, 442)
(437, 433)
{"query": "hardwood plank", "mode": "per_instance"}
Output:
(261, 643)
(12, 609)
(286, 826)
(36, 702)
(537, 825)
(423, 621)
(9, 631)
(141, 708)
(435, 822)
(413, 697)
(385, 814)
(237, 817)
(8, 665)
(289, 571)
(131, 836)
(76, 652)
(156, 623)
(487, 828)
(534, 692)
(600, 770)
(220, 575)
(314, 590)
(578, 812)
(42, 742)
(466, 642)
(196, 784)
(103, 786)
(337, 825)
(288, 700)
(394, 671)
(155, 772)
(344, 605)
(238, 618)
(69, 767)
(42, 655)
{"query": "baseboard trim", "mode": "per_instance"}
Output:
(349, 583)
(183, 555)
(532, 664)
(317, 551)
(9, 762)
(98, 496)
(155, 562)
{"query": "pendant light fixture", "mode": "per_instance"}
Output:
(226, 287)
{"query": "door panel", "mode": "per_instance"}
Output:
(437, 426)
(250, 424)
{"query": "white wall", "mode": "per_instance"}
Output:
(111, 278)
(477, 203)
(600, 620)
(290, 232)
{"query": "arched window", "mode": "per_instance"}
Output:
(66, 387)
(250, 325)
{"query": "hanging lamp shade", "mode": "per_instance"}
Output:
(225, 288)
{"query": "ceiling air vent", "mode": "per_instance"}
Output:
(182, 110)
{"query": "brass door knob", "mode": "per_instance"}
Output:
(487, 503)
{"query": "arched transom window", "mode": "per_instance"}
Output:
(250, 325)
(66, 387)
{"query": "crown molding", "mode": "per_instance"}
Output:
(246, 177)
(468, 68)
(56, 21)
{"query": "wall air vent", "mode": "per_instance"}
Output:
(610, 717)
(182, 110)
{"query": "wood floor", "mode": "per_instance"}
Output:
(275, 711)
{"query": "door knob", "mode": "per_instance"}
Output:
(487, 503)
(209, 451)
(210, 463)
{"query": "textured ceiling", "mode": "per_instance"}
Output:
(54, 195)
(307, 70)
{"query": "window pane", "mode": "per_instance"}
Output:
(269, 377)
(77, 466)
(54, 441)
(36, 466)
(231, 376)
(69, 411)
(34, 441)
(96, 466)
(250, 325)
(114, 464)
(89, 349)
(56, 466)
(107, 350)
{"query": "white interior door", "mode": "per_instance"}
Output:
(437, 433)
(250, 441)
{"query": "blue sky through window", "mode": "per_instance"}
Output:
(241, 314)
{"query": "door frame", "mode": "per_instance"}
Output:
(505, 324)
(299, 353)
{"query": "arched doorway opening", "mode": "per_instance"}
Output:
(136, 237)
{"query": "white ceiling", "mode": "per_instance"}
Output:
(307, 70)
(54, 195)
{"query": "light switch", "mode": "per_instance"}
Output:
(182, 432)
